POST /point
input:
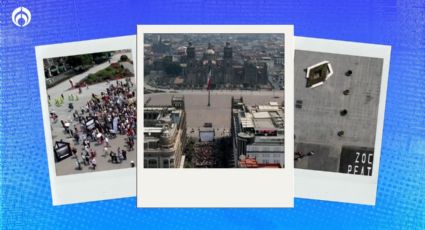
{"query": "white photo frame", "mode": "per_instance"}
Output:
(218, 187)
(335, 186)
(93, 186)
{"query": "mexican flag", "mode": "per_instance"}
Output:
(209, 80)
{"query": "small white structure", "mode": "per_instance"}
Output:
(317, 74)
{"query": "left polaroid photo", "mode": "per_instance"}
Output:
(88, 95)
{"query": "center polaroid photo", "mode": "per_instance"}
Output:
(217, 124)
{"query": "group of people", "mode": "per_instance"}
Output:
(102, 118)
(116, 157)
(88, 156)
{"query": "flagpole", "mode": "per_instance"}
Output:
(209, 98)
(209, 86)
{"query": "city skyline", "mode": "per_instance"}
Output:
(242, 61)
(188, 78)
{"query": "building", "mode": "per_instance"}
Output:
(224, 69)
(336, 110)
(251, 162)
(279, 59)
(55, 66)
(164, 134)
(258, 133)
(207, 133)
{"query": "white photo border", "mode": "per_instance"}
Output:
(219, 187)
(85, 187)
(335, 186)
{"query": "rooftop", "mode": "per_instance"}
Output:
(344, 102)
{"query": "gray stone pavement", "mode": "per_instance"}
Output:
(219, 112)
(67, 166)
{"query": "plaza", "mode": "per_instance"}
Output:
(216, 119)
(219, 113)
(79, 102)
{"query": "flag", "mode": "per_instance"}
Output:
(209, 80)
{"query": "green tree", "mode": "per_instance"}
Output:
(173, 69)
(80, 60)
(124, 58)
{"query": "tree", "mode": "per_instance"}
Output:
(123, 58)
(173, 69)
(80, 60)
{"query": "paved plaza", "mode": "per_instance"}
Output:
(68, 166)
(219, 112)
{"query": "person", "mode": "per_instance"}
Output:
(74, 152)
(93, 163)
(77, 164)
(86, 143)
(130, 145)
(117, 157)
(124, 154)
(112, 155)
(85, 157)
(72, 83)
(53, 116)
(92, 153)
(77, 137)
(87, 148)
(120, 156)
(107, 142)
(105, 151)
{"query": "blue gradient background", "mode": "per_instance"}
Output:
(25, 189)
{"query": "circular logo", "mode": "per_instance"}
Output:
(21, 17)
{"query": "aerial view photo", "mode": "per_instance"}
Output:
(213, 100)
(92, 111)
(336, 111)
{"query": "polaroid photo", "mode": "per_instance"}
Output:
(88, 96)
(340, 92)
(217, 104)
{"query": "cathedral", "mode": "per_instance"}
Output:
(224, 70)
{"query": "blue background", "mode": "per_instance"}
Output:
(25, 188)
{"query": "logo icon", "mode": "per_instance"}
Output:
(21, 17)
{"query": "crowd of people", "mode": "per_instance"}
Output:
(101, 119)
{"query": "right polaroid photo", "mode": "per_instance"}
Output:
(340, 92)
(217, 116)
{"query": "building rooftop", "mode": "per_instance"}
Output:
(260, 117)
(345, 102)
(247, 162)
